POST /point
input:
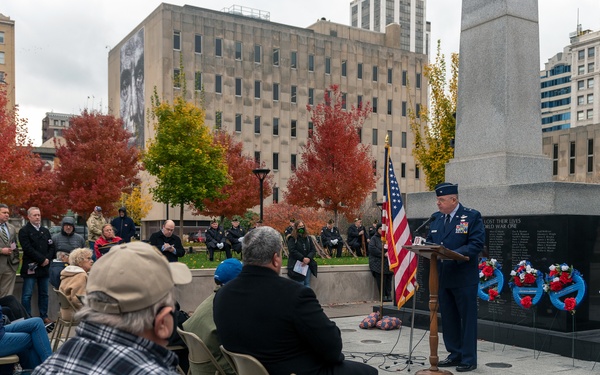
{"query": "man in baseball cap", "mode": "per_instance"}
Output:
(203, 325)
(127, 316)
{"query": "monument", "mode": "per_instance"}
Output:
(501, 171)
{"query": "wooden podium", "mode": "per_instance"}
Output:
(434, 253)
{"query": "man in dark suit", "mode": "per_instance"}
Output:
(38, 252)
(459, 229)
(215, 240)
(9, 253)
(168, 242)
(332, 239)
(283, 325)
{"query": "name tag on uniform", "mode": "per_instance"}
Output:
(462, 228)
(434, 231)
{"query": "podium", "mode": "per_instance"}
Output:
(434, 253)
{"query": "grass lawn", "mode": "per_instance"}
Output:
(199, 260)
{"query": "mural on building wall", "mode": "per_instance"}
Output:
(132, 86)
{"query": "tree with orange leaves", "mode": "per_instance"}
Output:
(19, 165)
(336, 172)
(97, 163)
(278, 216)
(242, 191)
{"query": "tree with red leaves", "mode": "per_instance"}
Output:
(19, 165)
(96, 163)
(336, 170)
(278, 216)
(242, 192)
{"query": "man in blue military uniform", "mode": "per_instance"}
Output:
(459, 229)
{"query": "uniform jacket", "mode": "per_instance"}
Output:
(330, 234)
(10, 261)
(37, 247)
(233, 234)
(215, 236)
(465, 235)
(282, 324)
(158, 239)
(375, 248)
(95, 223)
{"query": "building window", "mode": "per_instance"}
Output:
(218, 119)
(328, 65)
(374, 141)
(374, 73)
(275, 194)
(580, 115)
(359, 132)
(177, 40)
(581, 69)
(403, 170)
(311, 63)
(198, 43)
(256, 124)
(1, 37)
(359, 70)
(275, 126)
(374, 105)
(294, 60)
(591, 67)
(176, 78)
(404, 77)
(389, 137)
(293, 129)
(276, 56)
(238, 87)
(555, 159)
(218, 47)
(417, 172)
(359, 101)
(275, 161)
(257, 157)
(580, 85)
(590, 155)
(590, 98)
(257, 54)
(590, 83)
(403, 140)
(404, 109)
(374, 166)
(218, 84)
(311, 96)
(591, 51)
(238, 50)
(293, 162)
(590, 114)
(580, 100)
(418, 79)
(581, 55)
(311, 129)
(256, 89)
(198, 81)
(389, 76)
(389, 106)
(276, 92)
(418, 110)
(238, 122)
(344, 63)
(572, 158)
(344, 96)
(293, 94)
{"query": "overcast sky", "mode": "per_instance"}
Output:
(62, 45)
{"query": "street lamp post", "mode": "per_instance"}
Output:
(261, 174)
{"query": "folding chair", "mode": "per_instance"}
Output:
(199, 352)
(244, 364)
(61, 323)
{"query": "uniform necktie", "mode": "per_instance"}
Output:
(4, 234)
(447, 221)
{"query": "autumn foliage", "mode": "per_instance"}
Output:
(138, 204)
(335, 173)
(242, 192)
(19, 165)
(96, 163)
(278, 216)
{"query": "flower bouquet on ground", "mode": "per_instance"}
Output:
(491, 279)
(526, 284)
(562, 281)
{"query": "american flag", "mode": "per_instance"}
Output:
(396, 232)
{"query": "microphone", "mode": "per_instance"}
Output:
(425, 223)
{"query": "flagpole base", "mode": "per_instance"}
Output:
(431, 371)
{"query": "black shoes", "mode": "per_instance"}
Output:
(465, 368)
(449, 363)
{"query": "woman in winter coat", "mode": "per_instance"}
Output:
(73, 279)
(104, 242)
(375, 250)
(302, 250)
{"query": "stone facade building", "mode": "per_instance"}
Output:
(7, 58)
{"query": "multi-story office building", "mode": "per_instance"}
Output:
(7, 58)
(375, 15)
(54, 124)
(255, 78)
(570, 84)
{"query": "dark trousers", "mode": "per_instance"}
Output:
(337, 247)
(387, 284)
(458, 307)
(226, 248)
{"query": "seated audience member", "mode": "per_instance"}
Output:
(280, 323)
(73, 279)
(332, 239)
(56, 267)
(202, 324)
(12, 309)
(127, 317)
(357, 238)
(215, 240)
(26, 338)
(235, 235)
(168, 242)
(106, 241)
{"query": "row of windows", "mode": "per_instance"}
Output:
(293, 59)
(557, 92)
(581, 99)
(556, 118)
(572, 157)
(581, 68)
(559, 69)
(581, 84)
(585, 115)
(556, 81)
(556, 127)
(556, 103)
(198, 85)
(591, 52)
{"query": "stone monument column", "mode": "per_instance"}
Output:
(498, 132)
